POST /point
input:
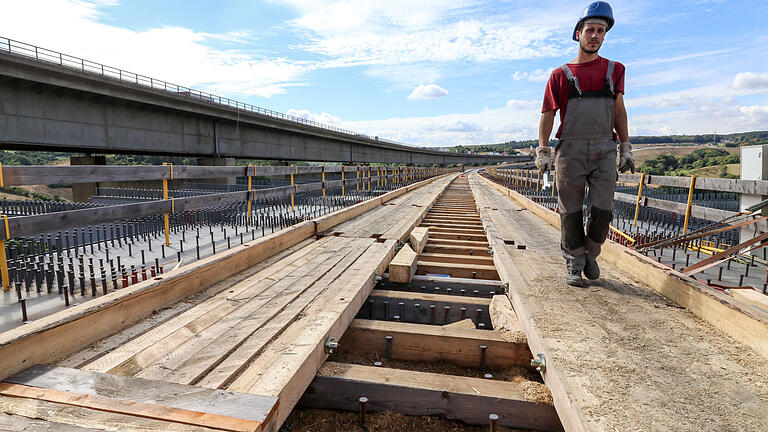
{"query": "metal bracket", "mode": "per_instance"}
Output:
(505, 287)
(330, 345)
(540, 363)
(376, 277)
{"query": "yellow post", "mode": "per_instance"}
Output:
(3, 258)
(293, 168)
(323, 182)
(342, 180)
(639, 196)
(538, 181)
(165, 197)
(688, 206)
(250, 186)
(357, 178)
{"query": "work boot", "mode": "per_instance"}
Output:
(573, 278)
(591, 269)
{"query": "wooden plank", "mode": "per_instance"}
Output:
(73, 418)
(470, 400)
(253, 409)
(752, 297)
(418, 238)
(444, 242)
(136, 354)
(220, 374)
(428, 298)
(155, 412)
(459, 259)
(62, 333)
(423, 342)
(165, 358)
(262, 324)
(403, 265)
(299, 350)
(458, 270)
(433, 247)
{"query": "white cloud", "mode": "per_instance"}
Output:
(429, 91)
(320, 118)
(539, 75)
(517, 121)
(757, 114)
(750, 80)
(403, 32)
(180, 55)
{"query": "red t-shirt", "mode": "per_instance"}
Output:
(591, 77)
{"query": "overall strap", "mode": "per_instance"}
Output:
(609, 75)
(571, 78)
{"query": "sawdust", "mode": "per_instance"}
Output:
(313, 420)
(631, 359)
(531, 385)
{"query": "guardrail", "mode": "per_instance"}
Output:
(33, 175)
(688, 209)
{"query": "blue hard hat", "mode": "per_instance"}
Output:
(598, 9)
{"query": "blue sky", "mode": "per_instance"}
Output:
(427, 72)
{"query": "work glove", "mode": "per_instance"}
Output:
(626, 160)
(544, 160)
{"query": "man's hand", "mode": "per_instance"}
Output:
(626, 160)
(544, 160)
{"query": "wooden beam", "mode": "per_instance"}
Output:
(215, 408)
(403, 265)
(458, 270)
(470, 400)
(156, 412)
(423, 342)
(418, 238)
(458, 259)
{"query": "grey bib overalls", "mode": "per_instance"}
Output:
(586, 157)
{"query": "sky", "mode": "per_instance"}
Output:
(423, 72)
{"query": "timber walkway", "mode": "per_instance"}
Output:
(417, 287)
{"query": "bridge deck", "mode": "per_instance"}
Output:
(261, 333)
(620, 356)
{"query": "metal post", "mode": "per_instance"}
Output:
(688, 206)
(165, 197)
(293, 189)
(250, 186)
(357, 178)
(342, 181)
(639, 196)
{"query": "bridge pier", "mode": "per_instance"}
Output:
(217, 161)
(82, 192)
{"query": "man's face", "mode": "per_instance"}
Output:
(591, 37)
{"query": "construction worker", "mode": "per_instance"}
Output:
(589, 92)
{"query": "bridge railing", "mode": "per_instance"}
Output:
(50, 56)
(351, 176)
(644, 197)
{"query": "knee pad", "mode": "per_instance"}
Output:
(599, 224)
(572, 230)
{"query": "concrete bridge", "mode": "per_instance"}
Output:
(53, 101)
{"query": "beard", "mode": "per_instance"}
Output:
(587, 50)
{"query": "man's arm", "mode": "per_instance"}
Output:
(619, 119)
(545, 127)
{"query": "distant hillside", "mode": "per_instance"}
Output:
(729, 140)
